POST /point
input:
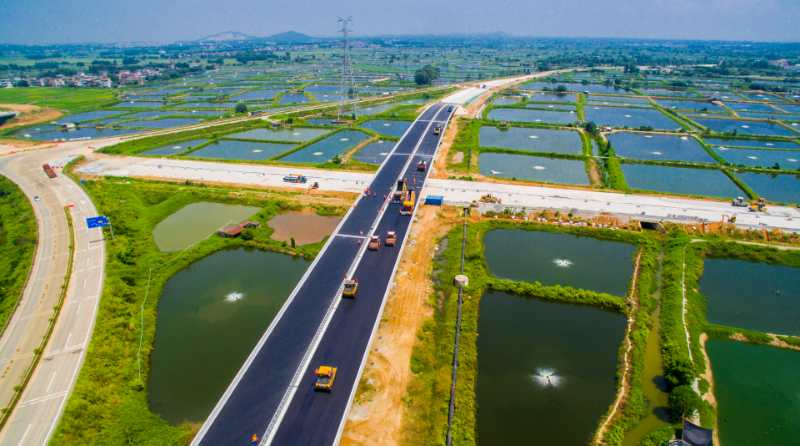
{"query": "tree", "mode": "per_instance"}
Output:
(590, 127)
(678, 372)
(241, 107)
(683, 401)
(426, 75)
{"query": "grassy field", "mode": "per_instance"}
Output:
(17, 245)
(68, 100)
(109, 403)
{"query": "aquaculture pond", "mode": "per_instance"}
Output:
(138, 104)
(293, 99)
(546, 371)
(757, 391)
(533, 168)
(373, 109)
(757, 296)
(175, 148)
(374, 152)
(554, 258)
(619, 101)
(755, 143)
(680, 180)
(630, 117)
(659, 147)
(531, 115)
(241, 150)
(210, 316)
(743, 127)
(784, 188)
(257, 95)
(88, 116)
(553, 97)
(785, 159)
(691, 106)
(532, 139)
(386, 127)
(50, 132)
(162, 123)
(325, 149)
(291, 135)
(196, 221)
(572, 86)
(507, 100)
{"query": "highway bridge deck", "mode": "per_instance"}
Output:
(272, 395)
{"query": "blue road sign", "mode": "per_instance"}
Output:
(97, 222)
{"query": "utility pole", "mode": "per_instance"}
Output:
(347, 87)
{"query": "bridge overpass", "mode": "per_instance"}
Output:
(272, 395)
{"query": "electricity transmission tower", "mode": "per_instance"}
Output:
(347, 87)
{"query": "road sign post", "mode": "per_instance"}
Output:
(101, 221)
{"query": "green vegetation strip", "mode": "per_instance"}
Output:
(39, 351)
(18, 240)
(69, 100)
(109, 403)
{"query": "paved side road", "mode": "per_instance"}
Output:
(42, 403)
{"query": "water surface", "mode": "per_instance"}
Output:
(680, 180)
(533, 168)
(196, 221)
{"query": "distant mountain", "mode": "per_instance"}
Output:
(291, 37)
(226, 36)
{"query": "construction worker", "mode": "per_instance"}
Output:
(254, 439)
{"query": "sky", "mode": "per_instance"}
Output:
(161, 21)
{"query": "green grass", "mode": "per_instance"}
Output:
(109, 403)
(68, 100)
(18, 234)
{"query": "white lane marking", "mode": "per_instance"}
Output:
(25, 434)
(52, 379)
(66, 343)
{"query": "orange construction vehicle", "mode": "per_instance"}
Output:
(350, 288)
(407, 204)
(325, 374)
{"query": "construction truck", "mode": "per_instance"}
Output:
(350, 288)
(437, 130)
(294, 178)
(422, 166)
(400, 190)
(407, 204)
(374, 243)
(391, 238)
(49, 170)
(325, 374)
(489, 198)
(758, 206)
(739, 202)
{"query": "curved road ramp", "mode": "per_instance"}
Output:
(272, 399)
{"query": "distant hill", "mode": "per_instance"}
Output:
(226, 36)
(291, 37)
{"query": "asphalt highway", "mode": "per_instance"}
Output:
(261, 391)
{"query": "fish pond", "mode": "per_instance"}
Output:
(325, 149)
(754, 143)
(545, 370)
(289, 135)
(659, 147)
(756, 296)
(532, 139)
(386, 127)
(680, 180)
(630, 117)
(554, 258)
(531, 115)
(241, 150)
(175, 148)
(784, 188)
(196, 221)
(757, 391)
(786, 159)
(302, 226)
(533, 168)
(210, 316)
(743, 127)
